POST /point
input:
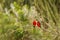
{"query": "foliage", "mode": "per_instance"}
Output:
(17, 16)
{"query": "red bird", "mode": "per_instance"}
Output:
(36, 23)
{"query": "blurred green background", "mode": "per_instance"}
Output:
(17, 16)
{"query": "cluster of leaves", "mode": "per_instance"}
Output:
(11, 24)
